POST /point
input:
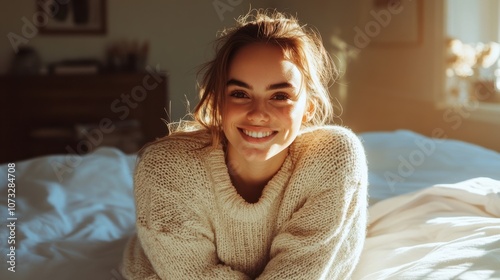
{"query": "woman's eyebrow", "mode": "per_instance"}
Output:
(280, 86)
(235, 82)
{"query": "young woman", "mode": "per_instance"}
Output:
(262, 188)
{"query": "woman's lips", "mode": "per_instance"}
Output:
(257, 134)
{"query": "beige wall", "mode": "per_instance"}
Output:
(179, 33)
(394, 87)
(412, 100)
(398, 86)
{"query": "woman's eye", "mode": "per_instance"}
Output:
(281, 96)
(238, 94)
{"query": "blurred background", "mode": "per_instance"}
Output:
(79, 74)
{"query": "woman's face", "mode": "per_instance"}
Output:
(264, 104)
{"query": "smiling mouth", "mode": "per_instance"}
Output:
(257, 135)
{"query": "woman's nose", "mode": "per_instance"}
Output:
(258, 113)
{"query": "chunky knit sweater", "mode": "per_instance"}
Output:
(309, 223)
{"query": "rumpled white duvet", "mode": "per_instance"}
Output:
(448, 231)
(442, 221)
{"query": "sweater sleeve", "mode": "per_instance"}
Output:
(174, 237)
(324, 238)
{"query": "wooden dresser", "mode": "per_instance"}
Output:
(60, 114)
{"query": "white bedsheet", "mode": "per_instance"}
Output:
(70, 229)
(76, 213)
(449, 231)
(403, 161)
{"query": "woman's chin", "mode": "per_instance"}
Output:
(261, 155)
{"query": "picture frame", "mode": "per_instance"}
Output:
(72, 17)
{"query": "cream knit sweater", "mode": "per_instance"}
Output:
(309, 223)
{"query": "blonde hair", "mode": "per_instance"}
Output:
(300, 44)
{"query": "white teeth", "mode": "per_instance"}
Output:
(255, 134)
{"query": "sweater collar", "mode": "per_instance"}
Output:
(229, 199)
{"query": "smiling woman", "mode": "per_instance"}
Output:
(262, 116)
(261, 188)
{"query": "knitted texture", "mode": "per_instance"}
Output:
(309, 223)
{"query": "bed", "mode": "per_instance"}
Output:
(434, 212)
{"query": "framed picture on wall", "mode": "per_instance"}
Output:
(67, 17)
